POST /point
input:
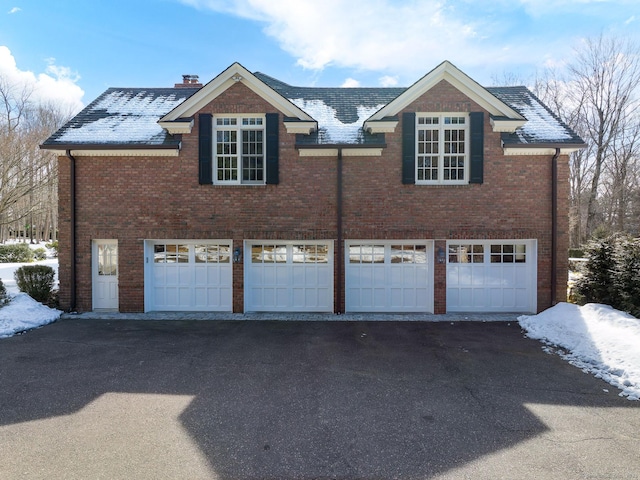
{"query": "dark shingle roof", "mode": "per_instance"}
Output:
(128, 117)
(542, 127)
(123, 116)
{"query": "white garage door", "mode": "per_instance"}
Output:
(491, 276)
(389, 276)
(282, 276)
(188, 275)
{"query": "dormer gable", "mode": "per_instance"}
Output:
(507, 119)
(179, 120)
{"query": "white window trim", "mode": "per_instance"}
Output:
(239, 128)
(441, 154)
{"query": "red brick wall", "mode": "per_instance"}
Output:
(136, 198)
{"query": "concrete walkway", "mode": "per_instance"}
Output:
(314, 317)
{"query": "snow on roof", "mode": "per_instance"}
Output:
(123, 116)
(335, 131)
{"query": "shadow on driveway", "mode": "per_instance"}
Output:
(304, 400)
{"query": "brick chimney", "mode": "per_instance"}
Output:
(189, 81)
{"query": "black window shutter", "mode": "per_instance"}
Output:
(409, 147)
(205, 148)
(476, 124)
(273, 147)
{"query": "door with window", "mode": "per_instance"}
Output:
(105, 274)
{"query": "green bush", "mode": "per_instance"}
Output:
(40, 253)
(610, 275)
(53, 246)
(4, 299)
(16, 253)
(36, 281)
(576, 253)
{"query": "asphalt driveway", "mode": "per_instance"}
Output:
(93, 399)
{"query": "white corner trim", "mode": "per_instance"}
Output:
(301, 127)
(381, 126)
(177, 127)
(165, 152)
(506, 126)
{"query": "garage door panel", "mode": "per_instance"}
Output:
(389, 276)
(188, 275)
(294, 279)
(491, 275)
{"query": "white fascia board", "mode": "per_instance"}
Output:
(134, 152)
(506, 125)
(346, 152)
(465, 84)
(318, 152)
(362, 152)
(301, 127)
(381, 126)
(538, 151)
(235, 73)
(177, 127)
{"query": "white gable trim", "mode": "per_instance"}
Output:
(177, 127)
(465, 84)
(232, 75)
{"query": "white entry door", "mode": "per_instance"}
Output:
(105, 274)
(286, 276)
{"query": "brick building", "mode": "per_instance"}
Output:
(248, 194)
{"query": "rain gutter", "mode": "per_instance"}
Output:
(554, 227)
(72, 236)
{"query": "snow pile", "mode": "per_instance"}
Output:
(24, 313)
(596, 338)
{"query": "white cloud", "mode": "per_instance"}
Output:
(14, 10)
(350, 83)
(404, 40)
(388, 81)
(56, 85)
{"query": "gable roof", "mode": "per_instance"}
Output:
(144, 121)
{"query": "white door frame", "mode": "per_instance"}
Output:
(104, 275)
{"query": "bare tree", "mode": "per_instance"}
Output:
(604, 79)
(28, 175)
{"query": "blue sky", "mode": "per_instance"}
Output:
(72, 50)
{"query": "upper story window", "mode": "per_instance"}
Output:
(442, 148)
(239, 149)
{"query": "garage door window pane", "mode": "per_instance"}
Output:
(466, 253)
(408, 254)
(366, 254)
(509, 253)
(212, 253)
(310, 254)
(269, 254)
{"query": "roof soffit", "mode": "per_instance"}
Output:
(465, 84)
(232, 75)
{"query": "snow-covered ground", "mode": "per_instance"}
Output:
(23, 312)
(596, 338)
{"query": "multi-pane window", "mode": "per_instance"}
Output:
(442, 148)
(239, 150)
(473, 253)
